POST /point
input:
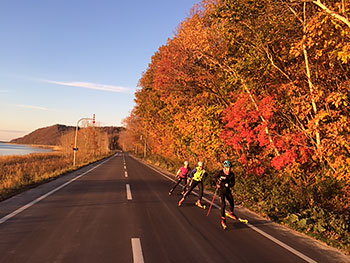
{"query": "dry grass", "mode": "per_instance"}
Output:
(17, 172)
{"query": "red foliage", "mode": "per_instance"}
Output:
(243, 159)
(289, 156)
(245, 128)
(293, 149)
(246, 131)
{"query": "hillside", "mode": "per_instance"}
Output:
(52, 135)
(45, 136)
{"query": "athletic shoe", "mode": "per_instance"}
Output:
(231, 215)
(181, 201)
(223, 224)
(245, 221)
(170, 192)
(198, 203)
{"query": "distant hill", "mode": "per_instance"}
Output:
(52, 135)
(45, 136)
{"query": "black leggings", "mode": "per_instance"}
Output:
(192, 185)
(178, 182)
(226, 194)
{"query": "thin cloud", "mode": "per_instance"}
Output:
(13, 131)
(3, 91)
(89, 85)
(32, 107)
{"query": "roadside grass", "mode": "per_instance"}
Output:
(19, 172)
(278, 199)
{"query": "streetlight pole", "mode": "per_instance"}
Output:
(75, 149)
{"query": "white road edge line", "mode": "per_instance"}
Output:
(290, 249)
(21, 209)
(128, 192)
(137, 250)
(275, 240)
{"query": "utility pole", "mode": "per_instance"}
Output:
(144, 147)
(75, 149)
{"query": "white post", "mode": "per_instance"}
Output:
(144, 147)
(75, 149)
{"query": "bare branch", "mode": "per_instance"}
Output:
(332, 13)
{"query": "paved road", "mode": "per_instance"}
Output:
(119, 211)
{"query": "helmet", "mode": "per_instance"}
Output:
(200, 164)
(185, 162)
(227, 164)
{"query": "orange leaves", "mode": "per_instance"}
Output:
(344, 54)
(337, 99)
(233, 82)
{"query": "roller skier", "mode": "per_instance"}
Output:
(197, 175)
(224, 181)
(181, 175)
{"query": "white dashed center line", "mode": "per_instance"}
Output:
(128, 192)
(137, 250)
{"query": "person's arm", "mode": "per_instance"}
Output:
(193, 172)
(215, 179)
(232, 180)
(178, 172)
(205, 174)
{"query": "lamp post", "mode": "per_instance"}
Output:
(75, 149)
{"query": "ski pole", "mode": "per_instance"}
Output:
(212, 202)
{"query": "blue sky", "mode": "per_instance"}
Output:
(61, 60)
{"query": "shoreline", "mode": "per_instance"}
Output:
(42, 146)
(16, 149)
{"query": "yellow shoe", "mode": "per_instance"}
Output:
(245, 221)
(199, 204)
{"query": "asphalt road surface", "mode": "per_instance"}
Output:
(119, 210)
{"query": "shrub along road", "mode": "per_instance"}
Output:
(118, 210)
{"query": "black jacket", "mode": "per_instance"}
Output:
(225, 181)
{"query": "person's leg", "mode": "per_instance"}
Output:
(175, 185)
(201, 187)
(229, 198)
(223, 205)
(184, 181)
(222, 211)
(193, 184)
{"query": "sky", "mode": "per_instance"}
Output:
(62, 60)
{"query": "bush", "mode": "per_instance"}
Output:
(316, 210)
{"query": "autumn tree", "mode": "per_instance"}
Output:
(92, 143)
(263, 83)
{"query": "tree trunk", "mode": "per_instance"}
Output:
(311, 87)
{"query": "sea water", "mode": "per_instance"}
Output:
(18, 149)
